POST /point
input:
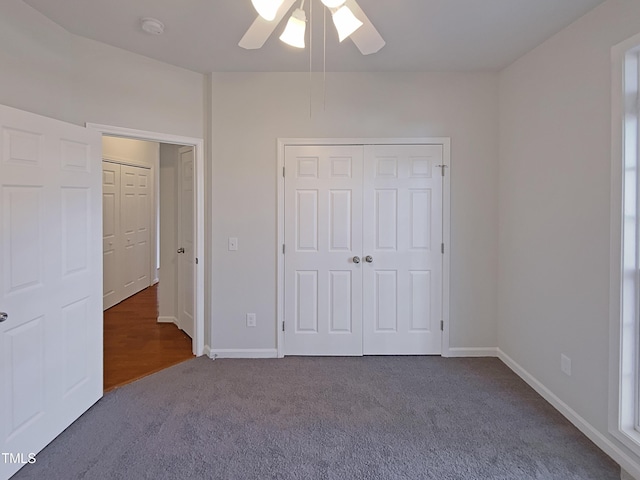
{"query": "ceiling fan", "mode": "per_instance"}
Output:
(348, 17)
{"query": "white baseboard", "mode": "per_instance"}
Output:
(207, 351)
(471, 352)
(606, 445)
(168, 320)
(240, 353)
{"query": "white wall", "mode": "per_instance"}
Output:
(554, 177)
(251, 110)
(135, 152)
(48, 71)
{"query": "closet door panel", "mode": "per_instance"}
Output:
(112, 293)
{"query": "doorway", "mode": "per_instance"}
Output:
(196, 252)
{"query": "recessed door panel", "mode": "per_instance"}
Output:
(385, 297)
(420, 226)
(340, 220)
(386, 219)
(307, 220)
(23, 248)
(75, 341)
(76, 229)
(340, 301)
(307, 302)
(24, 347)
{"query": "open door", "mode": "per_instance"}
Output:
(50, 280)
(186, 243)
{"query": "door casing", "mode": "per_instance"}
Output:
(445, 142)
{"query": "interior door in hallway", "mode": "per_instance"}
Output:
(323, 238)
(402, 235)
(186, 251)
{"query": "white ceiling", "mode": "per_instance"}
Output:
(421, 35)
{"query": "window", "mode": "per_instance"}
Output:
(625, 245)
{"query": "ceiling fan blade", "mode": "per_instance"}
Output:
(366, 38)
(260, 30)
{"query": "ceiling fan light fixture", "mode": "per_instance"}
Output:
(333, 3)
(267, 9)
(346, 22)
(294, 31)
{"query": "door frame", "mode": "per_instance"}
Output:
(445, 142)
(198, 145)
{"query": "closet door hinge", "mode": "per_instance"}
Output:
(283, 248)
(442, 248)
(283, 326)
(283, 172)
(442, 167)
(442, 325)
(196, 260)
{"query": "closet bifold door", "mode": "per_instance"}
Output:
(135, 229)
(126, 204)
(111, 241)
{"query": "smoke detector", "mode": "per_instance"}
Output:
(152, 26)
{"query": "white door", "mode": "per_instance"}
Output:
(111, 239)
(50, 280)
(186, 244)
(135, 223)
(402, 272)
(363, 265)
(323, 234)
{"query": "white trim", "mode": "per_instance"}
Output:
(207, 351)
(173, 320)
(446, 212)
(243, 353)
(198, 144)
(606, 445)
(446, 239)
(454, 352)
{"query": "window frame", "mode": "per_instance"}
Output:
(624, 379)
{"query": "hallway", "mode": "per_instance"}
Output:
(135, 345)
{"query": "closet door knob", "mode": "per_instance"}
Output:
(368, 259)
(356, 259)
(3, 316)
(181, 250)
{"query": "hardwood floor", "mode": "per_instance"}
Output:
(135, 344)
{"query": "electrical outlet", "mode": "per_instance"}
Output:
(251, 319)
(565, 364)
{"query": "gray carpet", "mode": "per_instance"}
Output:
(324, 418)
